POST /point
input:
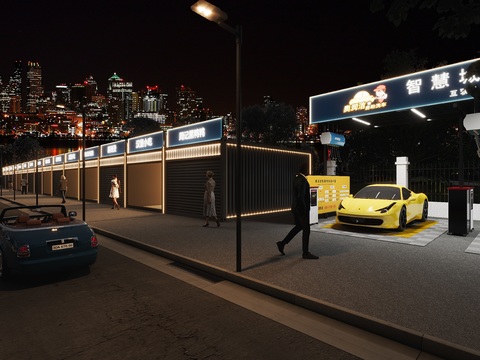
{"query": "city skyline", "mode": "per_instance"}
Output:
(290, 51)
(30, 67)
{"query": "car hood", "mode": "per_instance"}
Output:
(365, 205)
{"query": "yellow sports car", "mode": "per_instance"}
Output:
(383, 206)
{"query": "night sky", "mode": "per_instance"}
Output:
(291, 49)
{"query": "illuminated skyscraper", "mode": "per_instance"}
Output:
(188, 105)
(91, 88)
(34, 87)
(14, 88)
(119, 93)
(62, 95)
(155, 101)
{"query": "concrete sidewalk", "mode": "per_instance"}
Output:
(425, 297)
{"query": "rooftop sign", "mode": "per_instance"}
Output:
(143, 143)
(59, 159)
(196, 133)
(91, 153)
(437, 86)
(112, 149)
(72, 156)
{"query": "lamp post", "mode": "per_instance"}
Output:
(213, 13)
(83, 178)
(2, 149)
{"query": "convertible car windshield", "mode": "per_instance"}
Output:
(379, 192)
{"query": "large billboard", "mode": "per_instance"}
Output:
(430, 87)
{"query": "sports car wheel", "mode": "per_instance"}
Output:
(425, 210)
(402, 219)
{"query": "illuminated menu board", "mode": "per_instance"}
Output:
(330, 191)
(425, 88)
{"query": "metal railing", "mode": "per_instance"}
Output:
(433, 179)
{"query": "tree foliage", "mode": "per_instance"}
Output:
(455, 18)
(399, 62)
(270, 124)
(143, 126)
(22, 149)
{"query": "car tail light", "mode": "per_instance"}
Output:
(93, 241)
(23, 251)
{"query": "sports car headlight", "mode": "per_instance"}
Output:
(386, 208)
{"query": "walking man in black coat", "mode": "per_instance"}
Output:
(301, 212)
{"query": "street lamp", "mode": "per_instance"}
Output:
(213, 13)
(83, 178)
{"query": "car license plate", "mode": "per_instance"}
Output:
(62, 246)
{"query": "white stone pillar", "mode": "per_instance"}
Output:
(331, 167)
(402, 171)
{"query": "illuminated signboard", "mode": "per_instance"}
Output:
(39, 163)
(196, 133)
(91, 153)
(47, 161)
(331, 190)
(72, 156)
(147, 142)
(58, 159)
(31, 164)
(112, 149)
(431, 87)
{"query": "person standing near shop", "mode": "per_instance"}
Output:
(63, 187)
(24, 184)
(114, 191)
(209, 210)
(301, 213)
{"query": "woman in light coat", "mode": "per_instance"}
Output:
(209, 210)
(114, 191)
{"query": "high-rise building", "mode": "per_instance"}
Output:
(268, 100)
(119, 93)
(34, 87)
(155, 101)
(187, 104)
(77, 96)
(91, 88)
(14, 88)
(62, 95)
(4, 102)
(137, 103)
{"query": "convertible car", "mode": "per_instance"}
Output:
(383, 206)
(40, 239)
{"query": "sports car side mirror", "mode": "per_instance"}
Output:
(72, 214)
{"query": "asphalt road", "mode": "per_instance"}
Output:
(122, 309)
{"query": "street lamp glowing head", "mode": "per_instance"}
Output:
(209, 11)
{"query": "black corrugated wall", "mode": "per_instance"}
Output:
(185, 181)
(106, 174)
(266, 177)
